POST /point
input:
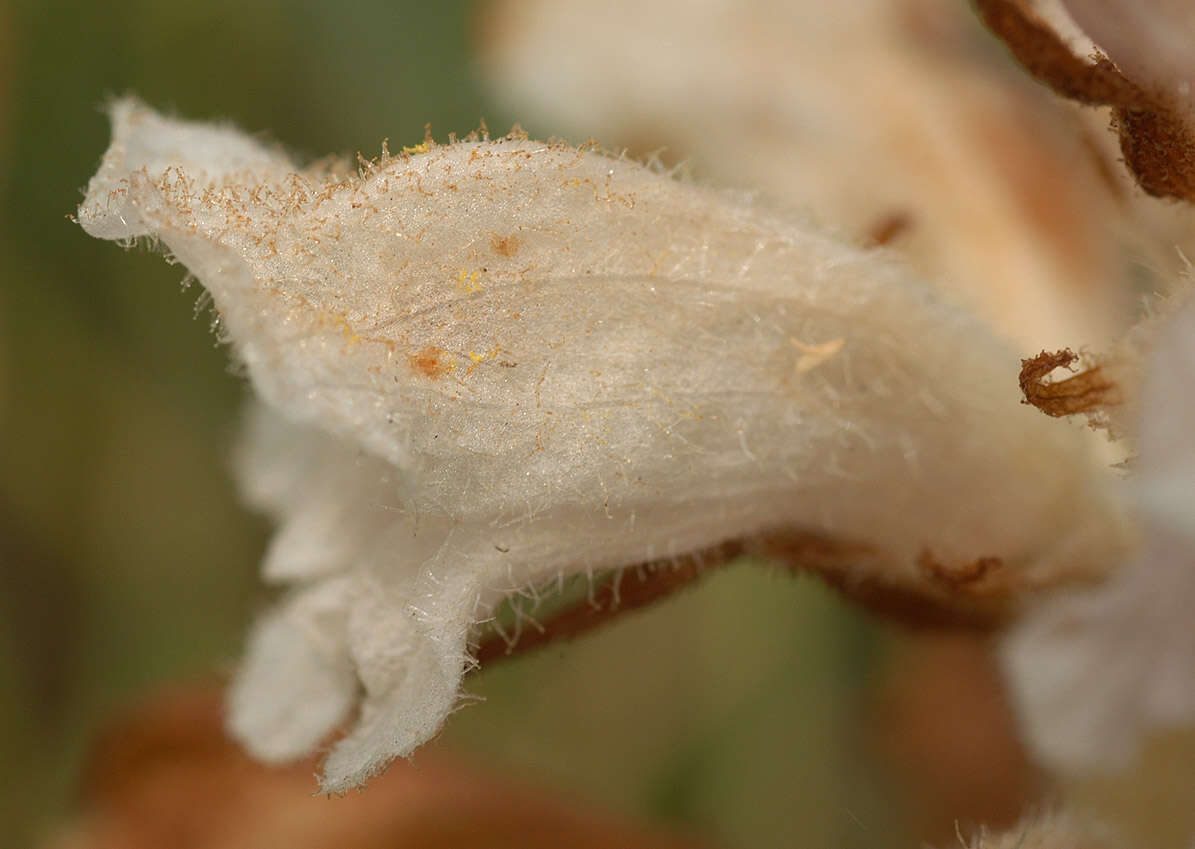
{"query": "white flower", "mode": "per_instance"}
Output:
(492, 363)
(1096, 673)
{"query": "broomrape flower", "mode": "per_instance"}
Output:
(486, 365)
(992, 188)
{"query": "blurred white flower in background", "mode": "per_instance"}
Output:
(888, 119)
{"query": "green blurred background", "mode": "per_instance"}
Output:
(125, 559)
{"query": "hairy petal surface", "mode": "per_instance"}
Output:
(492, 363)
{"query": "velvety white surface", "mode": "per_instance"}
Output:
(489, 364)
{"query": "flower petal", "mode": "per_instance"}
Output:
(528, 360)
(331, 499)
(297, 682)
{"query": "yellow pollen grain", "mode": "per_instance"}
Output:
(467, 280)
(813, 356)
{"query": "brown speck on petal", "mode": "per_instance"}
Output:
(505, 245)
(889, 228)
(429, 362)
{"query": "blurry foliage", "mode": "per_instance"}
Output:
(125, 559)
(124, 556)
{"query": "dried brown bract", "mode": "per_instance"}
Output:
(1158, 145)
(1044, 54)
(1158, 148)
(1090, 391)
(955, 598)
(969, 577)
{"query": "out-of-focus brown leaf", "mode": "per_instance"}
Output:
(165, 776)
(942, 722)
